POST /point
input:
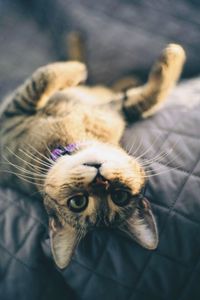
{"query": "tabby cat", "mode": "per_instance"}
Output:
(61, 139)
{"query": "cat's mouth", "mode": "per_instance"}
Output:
(99, 181)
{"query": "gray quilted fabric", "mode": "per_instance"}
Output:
(108, 265)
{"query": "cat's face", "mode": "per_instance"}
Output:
(98, 185)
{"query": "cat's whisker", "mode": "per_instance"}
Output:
(165, 171)
(161, 166)
(147, 162)
(26, 162)
(137, 149)
(33, 157)
(36, 175)
(151, 172)
(42, 140)
(8, 162)
(129, 149)
(38, 184)
(45, 145)
(79, 236)
(150, 147)
(157, 158)
(48, 149)
(161, 155)
(36, 159)
(24, 177)
(42, 155)
(36, 164)
(164, 165)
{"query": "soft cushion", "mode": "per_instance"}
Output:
(108, 265)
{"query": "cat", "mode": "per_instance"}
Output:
(61, 139)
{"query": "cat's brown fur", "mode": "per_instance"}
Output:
(52, 109)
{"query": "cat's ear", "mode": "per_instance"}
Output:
(141, 226)
(63, 242)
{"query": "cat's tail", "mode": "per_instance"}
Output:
(36, 90)
(145, 100)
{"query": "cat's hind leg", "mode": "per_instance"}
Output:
(76, 47)
(44, 82)
(145, 100)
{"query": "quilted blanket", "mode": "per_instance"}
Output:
(106, 264)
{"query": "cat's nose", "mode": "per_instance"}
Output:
(91, 164)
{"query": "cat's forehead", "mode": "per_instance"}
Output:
(89, 152)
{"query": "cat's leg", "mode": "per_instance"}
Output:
(36, 90)
(125, 83)
(76, 47)
(144, 101)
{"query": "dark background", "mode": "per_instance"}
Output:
(121, 37)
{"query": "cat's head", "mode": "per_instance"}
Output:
(95, 184)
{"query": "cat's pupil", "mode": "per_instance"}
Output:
(78, 203)
(120, 197)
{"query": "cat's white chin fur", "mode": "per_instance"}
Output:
(112, 160)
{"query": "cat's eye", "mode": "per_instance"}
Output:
(78, 203)
(120, 197)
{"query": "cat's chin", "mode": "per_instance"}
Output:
(111, 162)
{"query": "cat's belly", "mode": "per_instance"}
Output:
(91, 96)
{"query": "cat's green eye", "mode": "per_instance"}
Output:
(120, 197)
(78, 203)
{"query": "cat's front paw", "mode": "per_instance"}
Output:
(170, 64)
